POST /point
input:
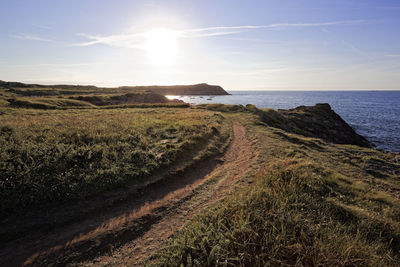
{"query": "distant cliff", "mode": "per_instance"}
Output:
(62, 89)
(197, 89)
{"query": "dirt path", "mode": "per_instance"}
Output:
(128, 233)
(218, 184)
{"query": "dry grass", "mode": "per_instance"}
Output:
(71, 154)
(313, 203)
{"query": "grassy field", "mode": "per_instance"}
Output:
(307, 202)
(81, 97)
(58, 155)
(311, 203)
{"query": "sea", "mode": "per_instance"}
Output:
(373, 114)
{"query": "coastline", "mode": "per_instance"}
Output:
(302, 170)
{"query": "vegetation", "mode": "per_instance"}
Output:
(23, 89)
(316, 121)
(20, 95)
(141, 100)
(82, 140)
(64, 103)
(52, 155)
(319, 194)
(310, 203)
(45, 103)
(223, 108)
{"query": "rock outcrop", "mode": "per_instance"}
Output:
(318, 121)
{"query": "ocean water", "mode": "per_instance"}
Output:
(373, 114)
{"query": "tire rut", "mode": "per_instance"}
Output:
(236, 164)
(130, 232)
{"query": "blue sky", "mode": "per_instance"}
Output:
(314, 44)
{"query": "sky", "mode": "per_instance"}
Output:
(240, 45)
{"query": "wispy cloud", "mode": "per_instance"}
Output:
(136, 40)
(224, 30)
(30, 37)
(72, 65)
(356, 50)
(43, 27)
(121, 40)
(353, 48)
(392, 56)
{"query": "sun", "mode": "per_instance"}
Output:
(161, 46)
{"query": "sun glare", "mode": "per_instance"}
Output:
(162, 46)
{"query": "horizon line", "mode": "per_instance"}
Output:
(187, 84)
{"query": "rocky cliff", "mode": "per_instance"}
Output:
(318, 121)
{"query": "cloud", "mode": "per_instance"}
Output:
(43, 27)
(331, 23)
(121, 40)
(224, 30)
(29, 37)
(67, 65)
(356, 50)
(392, 56)
(136, 40)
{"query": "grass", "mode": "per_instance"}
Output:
(222, 107)
(59, 155)
(78, 97)
(311, 203)
(64, 103)
(3, 103)
(318, 121)
(68, 103)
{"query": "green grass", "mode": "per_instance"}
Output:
(58, 155)
(63, 103)
(78, 97)
(30, 103)
(310, 203)
(47, 103)
(3, 102)
(318, 121)
(148, 105)
(222, 107)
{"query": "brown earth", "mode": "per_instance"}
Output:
(130, 229)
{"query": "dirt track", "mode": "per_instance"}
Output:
(127, 233)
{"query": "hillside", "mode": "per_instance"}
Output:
(53, 90)
(318, 121)
(197, 89)
(199, 186)
(306, 201)
(15, 94)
